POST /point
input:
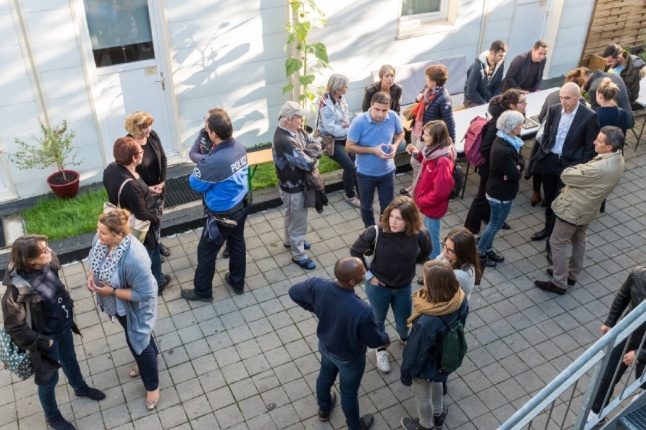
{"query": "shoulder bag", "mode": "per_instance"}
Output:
(369, 255)
(15, 359)
(138, 228)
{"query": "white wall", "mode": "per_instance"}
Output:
(570, 39)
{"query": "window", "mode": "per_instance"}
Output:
(119, 30)
(421, 17)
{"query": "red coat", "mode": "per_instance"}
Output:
(434, 186)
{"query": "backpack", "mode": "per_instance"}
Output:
(473, 140)
(453, 348)
(15, 359)
(458, 179)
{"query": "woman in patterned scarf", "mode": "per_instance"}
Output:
(121, 277)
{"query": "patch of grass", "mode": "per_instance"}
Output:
(61, 218)
(265, 175)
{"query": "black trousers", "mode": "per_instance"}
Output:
(551, 170)
(479, 210)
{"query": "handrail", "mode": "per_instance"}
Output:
(593, 356)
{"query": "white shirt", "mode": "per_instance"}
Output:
(565, 122)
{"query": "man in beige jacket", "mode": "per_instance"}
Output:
(586, 187)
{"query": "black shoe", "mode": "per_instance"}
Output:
(438, 420)
(550, 287)
(163, 250)
(325, 415)
(488, 262)
(238, 291)
(404, 192)
(540, 235)
(60, 423)
(192, 297)
(550, 272)
(420, 281)
(225, 253)
(491, 255)
(548, 255)
(163, 286)
(412, 424)
(366, 421)
(506, 226)
(90, 393)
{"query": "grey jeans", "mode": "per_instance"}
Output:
(561, 235)
(295, 223)
(429, 398)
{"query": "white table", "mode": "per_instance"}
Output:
(463, 117)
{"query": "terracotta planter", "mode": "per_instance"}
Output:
(62, 189)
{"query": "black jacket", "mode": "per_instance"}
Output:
(18, 295)
(162, 165)
(579, 142)
(477, 91)
(441, 108)
(629, 296)
(135, 197)
(504, 161)
(518, 74)
(372, 89)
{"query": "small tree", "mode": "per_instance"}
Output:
(52, 149)
(305, 57)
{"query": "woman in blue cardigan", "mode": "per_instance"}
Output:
(121, 277)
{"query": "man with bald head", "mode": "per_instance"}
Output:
(345, 329)
(568, 139)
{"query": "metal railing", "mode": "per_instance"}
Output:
(554, 407)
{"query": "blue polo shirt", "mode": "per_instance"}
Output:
(367, 132)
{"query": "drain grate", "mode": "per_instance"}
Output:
(179, 192)
(635, 420)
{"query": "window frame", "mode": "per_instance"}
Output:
(422, 24)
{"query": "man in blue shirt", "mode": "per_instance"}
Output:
(222, 177)
(374, 136)
(345, 328)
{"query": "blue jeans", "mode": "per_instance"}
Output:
(62, 350)
(350, 373)
(146, 361)
(499, 213)
(433, 227)
(346, 161)
(385, 186)
(381, 298)
(207, 253)
(156, 265)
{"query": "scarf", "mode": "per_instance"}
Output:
(421, 305)
(98, 254)
(420, 109)
(514, 141)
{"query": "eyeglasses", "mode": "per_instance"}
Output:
(447, 250)
(45, 251)
(522, 102)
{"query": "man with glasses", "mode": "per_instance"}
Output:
(568, 139)
(294, 154)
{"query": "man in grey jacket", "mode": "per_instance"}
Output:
(586, 187)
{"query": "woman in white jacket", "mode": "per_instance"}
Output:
(333, 120)
(459, 250)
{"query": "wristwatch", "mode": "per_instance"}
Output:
(114, 292)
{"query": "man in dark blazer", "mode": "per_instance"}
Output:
(568, 139)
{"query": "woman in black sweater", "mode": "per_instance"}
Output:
(505, 170)
(398, 243)
(479, 210)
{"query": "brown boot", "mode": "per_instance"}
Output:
(536, 198)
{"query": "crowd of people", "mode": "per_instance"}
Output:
(577, 161)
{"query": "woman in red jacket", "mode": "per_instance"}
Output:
(435, 178)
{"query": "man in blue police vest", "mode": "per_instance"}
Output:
(222, 177)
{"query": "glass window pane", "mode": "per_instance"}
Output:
(414, 7)
(119, 30)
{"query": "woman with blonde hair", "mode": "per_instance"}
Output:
(608, 111)
(438, 305)
(125, 289)
(434, 181)
(398, 244)
(333, 120)
(153, 165)
(387, 85)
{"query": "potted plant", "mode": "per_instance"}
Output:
(52, 149)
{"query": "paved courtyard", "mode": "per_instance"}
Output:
(251, 361)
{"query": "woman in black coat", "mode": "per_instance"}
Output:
(38, 315)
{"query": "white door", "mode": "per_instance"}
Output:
(126, 47)
(527, 26)
(6, 190)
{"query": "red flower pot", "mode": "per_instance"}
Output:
(60, 187)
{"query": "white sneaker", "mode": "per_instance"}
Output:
(592, 417)
(382, 361)
(353, 201)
